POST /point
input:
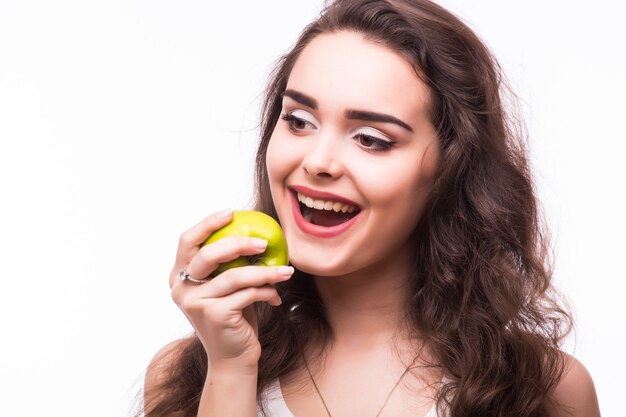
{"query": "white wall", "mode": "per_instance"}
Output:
(122, 123)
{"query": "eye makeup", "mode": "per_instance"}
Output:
(369, 143)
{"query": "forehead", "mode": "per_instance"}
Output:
(344, 70)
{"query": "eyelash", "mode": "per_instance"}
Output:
(383, 144)
(290, 119)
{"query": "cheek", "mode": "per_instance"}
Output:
(270, 158)
(430, 163)
(394, 184)
(397, 196)
(277, 158)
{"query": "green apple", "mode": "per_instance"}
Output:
(254, 224)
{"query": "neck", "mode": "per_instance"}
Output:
(366, 308)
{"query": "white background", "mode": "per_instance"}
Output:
(122, 123)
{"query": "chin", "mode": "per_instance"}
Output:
(319, 266)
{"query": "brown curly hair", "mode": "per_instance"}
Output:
(481, 295)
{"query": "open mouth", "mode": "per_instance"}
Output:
(325, 213)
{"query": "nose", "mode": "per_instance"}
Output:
(322, 159)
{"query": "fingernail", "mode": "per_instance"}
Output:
(259, 243)
(224, 214)
(285, 270)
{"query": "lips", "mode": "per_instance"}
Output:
(326, 205)
(322, 195)
(319, 200)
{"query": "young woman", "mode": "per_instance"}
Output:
(421, 285)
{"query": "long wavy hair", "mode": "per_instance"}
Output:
(481, 296)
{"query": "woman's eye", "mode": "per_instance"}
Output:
(296, 124)
(373, 144)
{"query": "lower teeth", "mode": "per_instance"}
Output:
(308, 215)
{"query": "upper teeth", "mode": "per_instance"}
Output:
(325, 205)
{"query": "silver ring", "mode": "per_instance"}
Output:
(183, 274)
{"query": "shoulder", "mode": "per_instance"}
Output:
(575, 393)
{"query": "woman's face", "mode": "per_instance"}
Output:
(354, 125)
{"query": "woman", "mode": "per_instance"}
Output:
(421, 284)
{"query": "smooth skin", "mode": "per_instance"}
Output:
(361, 274)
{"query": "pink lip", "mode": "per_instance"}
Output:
(322, 195)
(312, 229)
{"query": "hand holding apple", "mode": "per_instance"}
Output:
(253, 224)
(221, 309)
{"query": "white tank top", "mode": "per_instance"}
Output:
(276, 406)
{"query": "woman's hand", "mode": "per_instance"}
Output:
(220, 309)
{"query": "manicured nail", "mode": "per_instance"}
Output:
(224, 214)
(285, 270)
(259, 243)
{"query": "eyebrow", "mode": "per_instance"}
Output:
(350, 113)
(376, 117)
(301, 98)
